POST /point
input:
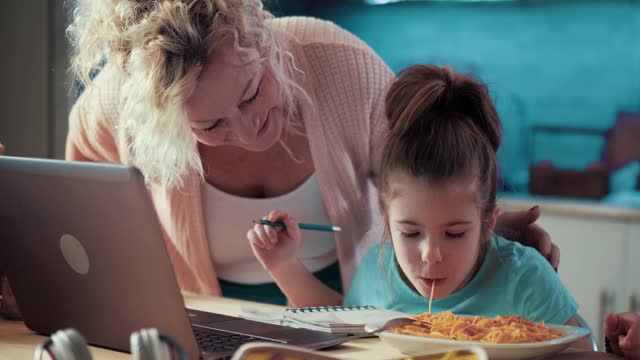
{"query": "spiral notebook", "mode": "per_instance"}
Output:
(333, 319)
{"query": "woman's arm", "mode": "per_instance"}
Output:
(91, 136)
(94, 119)
(378, 124)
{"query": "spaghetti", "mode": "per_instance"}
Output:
(511, 329)
(449, 355)
(433, 286)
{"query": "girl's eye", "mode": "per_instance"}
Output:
(454, 235)
(409, 234)
(213, 126)
(255, 96)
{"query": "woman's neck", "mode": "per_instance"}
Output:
(258, 174)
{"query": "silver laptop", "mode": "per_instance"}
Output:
(84, 249)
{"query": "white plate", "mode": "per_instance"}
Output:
(411, 344)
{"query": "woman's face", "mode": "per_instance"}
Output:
(236, 102)
(435, 230)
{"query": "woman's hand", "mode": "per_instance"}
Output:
(520, 226)
(623, 332)
(275, 246)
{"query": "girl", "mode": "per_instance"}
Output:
(437, 194)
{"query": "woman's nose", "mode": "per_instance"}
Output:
(431, 252)
(245, 126)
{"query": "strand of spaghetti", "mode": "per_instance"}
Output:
(433, 286)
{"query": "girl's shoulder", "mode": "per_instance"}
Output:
(376, 251)
(508, 250)
(520, 258)
(535, 289)
(379, 256)
(374, 282)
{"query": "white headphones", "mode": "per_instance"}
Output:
(150, 344)
(146, 344)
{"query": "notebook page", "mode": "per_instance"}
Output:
(358, 317)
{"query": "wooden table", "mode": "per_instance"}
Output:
(17, 342)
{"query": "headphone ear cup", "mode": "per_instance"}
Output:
(161, 350)
(147, 345)
(139, 347)
(68, 344)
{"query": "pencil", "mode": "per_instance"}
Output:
(303, 226)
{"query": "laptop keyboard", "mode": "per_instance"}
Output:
(210, 340)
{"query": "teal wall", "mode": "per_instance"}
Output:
(568, 63)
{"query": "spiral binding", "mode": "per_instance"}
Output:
(312, 309)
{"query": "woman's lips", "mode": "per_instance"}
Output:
(264, 125)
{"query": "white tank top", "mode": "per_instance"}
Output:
(229, 217)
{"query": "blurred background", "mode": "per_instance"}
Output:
(565, 75)
(562, 73)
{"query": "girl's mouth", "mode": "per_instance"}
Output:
(428, 282)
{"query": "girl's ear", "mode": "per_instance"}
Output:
(387, 229)
(385, 216)
(494, 218)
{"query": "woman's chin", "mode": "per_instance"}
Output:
(264, 142)
(258, 146)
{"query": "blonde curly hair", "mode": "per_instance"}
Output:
(161, 46)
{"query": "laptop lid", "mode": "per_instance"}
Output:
(84, 249)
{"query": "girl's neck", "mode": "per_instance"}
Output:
(482, 253)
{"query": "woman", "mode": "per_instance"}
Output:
(268, 112)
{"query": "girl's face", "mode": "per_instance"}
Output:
(435, 230)
(236, 102)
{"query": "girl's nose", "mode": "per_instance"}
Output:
(431, 252)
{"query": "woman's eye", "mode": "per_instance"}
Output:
(453, 235)
(255, 96)
(410, 234)
(213, 126)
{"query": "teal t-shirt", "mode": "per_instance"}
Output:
(512, 280)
